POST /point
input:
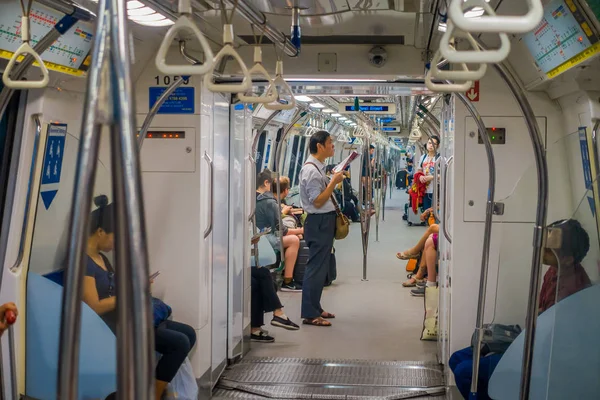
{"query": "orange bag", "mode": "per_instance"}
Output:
(412, 265)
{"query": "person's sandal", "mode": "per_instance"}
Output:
(327, 315)
(316, 322)
(412, 282)
(405, 256)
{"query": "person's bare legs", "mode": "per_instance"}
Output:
(430, 255)
(405, 255)
(420, 275)
(291, 246)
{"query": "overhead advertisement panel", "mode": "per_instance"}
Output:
(563, 39)
(67, 55)
(368, 108)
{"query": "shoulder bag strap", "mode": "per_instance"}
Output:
(333, 199)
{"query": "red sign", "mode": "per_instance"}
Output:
(473, 93)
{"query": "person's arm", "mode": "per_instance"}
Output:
(275, 214)
(3, 309)
(295, 231)
(326, 194)
(91, 298)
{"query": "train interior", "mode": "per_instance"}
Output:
(173, 111)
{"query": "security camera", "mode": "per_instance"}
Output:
(378, 56)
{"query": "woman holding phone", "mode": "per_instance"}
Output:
(173, 340)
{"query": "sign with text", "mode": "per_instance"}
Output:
(53, 160)
(181, 101)
(473, 93)
(368, 108)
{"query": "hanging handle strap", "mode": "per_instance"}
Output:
(460, 75)
(475, 55)
(445, 87)
(23, 50)
(492, 22)
(284, 87)
(184, 23)
(258, 69)
(228, 50)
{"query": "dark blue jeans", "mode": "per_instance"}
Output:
(427, 201)
(174, 341)
(319, 232)
(461, 364)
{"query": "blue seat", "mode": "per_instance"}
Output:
(566, 357)
(97, 358)
(266, 254)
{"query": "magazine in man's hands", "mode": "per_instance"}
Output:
(344, 164)
(259, 234)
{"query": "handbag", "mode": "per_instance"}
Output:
(342, 224)
(160, 311)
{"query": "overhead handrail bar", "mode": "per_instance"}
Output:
(494, 23)
(184, 23)
(135, 342)
(23, 50)
(445, 202)
(258, 69)
(228, 51)
(279, 81)
(447, 87)
(449, 52)
(30, 193)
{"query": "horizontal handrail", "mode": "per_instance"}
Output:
(494, 23)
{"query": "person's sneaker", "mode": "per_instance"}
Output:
(291, 287)
(284, 323)
(261, 337)
(418, 292)
(422, 283)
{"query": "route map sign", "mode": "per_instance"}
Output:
(66, 55)
(563, 39)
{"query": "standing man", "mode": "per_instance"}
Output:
(319, 229)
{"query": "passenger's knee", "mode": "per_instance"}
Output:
(181, 343)
(190, 333)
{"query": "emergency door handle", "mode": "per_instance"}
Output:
(211, 180)
(492, 22)
(445, 203)
(471, 56)
(184, 23)
(258, 69)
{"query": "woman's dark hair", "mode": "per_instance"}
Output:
(103, 216)
(317, 138)
(436, 138)
(263, 176)
(575, 240)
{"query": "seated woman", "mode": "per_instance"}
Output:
(173, 340)
(264, 299)
(267, 216)
(429, 259)
(565, 265)
(415, 252)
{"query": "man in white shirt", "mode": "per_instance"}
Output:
(316, 191)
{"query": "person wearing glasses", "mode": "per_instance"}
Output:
(173, 340)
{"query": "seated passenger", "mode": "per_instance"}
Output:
(415, 252)
(4, 324)
(565, 265)
(264, 299)
(173, 340)
(267, 216)
(430, 256)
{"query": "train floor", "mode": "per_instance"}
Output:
(372, 351)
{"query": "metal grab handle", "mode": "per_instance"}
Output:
(445, 87)
(34, 164)
(279, 81)
(470, 56)
(184, 23)
(252, 165)
(11, 318)
(258, 69)
(494, 23)
(445, 203)
(228, 50)
(211, 179)
(24, 49)
(436, 190)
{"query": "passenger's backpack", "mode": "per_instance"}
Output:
(496, 338)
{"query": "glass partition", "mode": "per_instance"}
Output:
(45, 279)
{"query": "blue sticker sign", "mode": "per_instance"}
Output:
(587, 166)
(53, 162)
(181, 101)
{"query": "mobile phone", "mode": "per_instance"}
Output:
(154, 275)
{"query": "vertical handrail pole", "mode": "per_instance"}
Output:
(278, 161)
(487, 235)
(85, 171)
(436, 188)
(445, 203)
(133, 226)
(595, 161)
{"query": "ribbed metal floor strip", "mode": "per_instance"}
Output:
(300, 378)
(222, 394)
